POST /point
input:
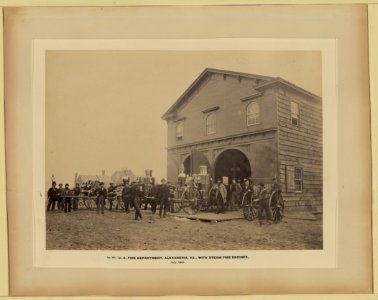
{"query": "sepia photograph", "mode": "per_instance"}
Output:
(183, 150)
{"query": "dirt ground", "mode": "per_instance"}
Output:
(116, 230)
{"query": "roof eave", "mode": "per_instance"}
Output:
(279, 80)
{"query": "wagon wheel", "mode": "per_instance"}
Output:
(185, 201)
(277, 210)
(121, 204)
(196, 202)
(251, 213)
(210, 200)
(175, 205)
(246, 203)
(190, 200)
(277, 213)
(81, 204)
(90, 203)
(107, 203)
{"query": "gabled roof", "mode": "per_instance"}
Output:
(201, 78)
(264, 82)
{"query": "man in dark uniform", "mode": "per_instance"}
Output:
(126, 195)
(67, 198)
(263, 201)
(276, 187)
(111, 195)
(153, 197)
(135, 197)
(220, 196)
(101, 196)
(60, 197)
(235, 189)
(76, 193)
(52, 195)
(163, 197)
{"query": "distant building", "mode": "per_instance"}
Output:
(80, 179)
(118, 176)
(241, 125)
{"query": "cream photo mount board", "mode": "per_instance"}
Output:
(324, 258)
(348, 50)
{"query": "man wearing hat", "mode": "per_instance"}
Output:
(220, 196)
(111, 195)
(126, 194)
(76, 192)
(67, 198)
(52, 195)
(101, 196)
(60, 197)
(235, 189)
(276, 187)
(135, 199)
(263, 201)
(163, 197)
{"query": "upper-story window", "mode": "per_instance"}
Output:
(294, 113)
(180, 131)
(211, 123)
(253, 113)
(298, 177)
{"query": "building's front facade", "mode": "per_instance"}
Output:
(248, 126)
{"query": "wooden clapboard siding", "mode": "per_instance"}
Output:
(301, 147)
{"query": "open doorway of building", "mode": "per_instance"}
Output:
(193, 162)
(233, 164)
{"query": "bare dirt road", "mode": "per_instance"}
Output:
(117, 230)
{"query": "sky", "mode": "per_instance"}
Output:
(104, 108)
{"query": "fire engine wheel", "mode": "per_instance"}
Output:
(251, 213)
(81, 204)
(88, 203)
(175, 206)
(121, 204)
(277, 213)
(245, 211)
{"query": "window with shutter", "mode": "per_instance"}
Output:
(290, 180)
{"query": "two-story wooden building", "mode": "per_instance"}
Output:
(249, 126)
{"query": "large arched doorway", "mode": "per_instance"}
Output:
(233, 164)
(193, 162)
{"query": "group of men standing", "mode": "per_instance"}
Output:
(67, 199)
(226, 196)
(132, 193)
(61, 197)
(157, 195)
